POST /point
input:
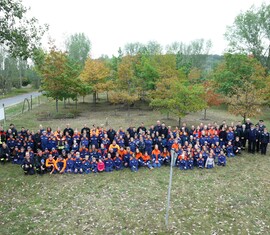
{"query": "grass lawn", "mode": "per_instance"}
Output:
(225, 200)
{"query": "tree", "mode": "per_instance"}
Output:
(178, 96)
(193, 54)
(60, 76)
(78, 47)
(133, 49)
(19, 34)
(211, 97)
(250, 33)
(242, 80)
(126, 89)
(94, 75)
(246, 101)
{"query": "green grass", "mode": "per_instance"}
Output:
(226, 200)
(18, 91)
(229, 200)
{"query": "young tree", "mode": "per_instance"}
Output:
(211, 97)
(242, 80)
(178, 96)
(126, 89)
(60, 76)
(94, 75)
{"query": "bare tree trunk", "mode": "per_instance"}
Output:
(179, 122)
(204, 118)
(95, 97)
(56, 105)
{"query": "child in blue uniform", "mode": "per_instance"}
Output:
(229, 149)
(183, 162)
(94, 168)
(108, 163)
(133, 163)
(78, 165)
(70, 164)
(200, 161)
(118, 163)
(87, 165)
(222, 159)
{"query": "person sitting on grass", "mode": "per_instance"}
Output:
(4, 153)
(138, 156)
(69, 163)
(87, 165)
(229, 150)
(133, 163)
(39, 160)
(94, 166)
(222, 159)
(60, 164)
(78, 165)
(108, 163)
(100, 165)
(28, 165)
(156, 157)
(200, 161)
(237, 146)
(118, 163)
(147, 160)
(50, 164)
(183, 161)
(127, 157)
(190, 163)
(166, 159)
(210, 162)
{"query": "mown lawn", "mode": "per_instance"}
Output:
(226, 200)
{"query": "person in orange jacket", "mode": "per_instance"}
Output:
(147, 160)
(50, 164)
(60, 164)
(156, 157)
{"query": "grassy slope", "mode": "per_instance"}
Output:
(229, 200)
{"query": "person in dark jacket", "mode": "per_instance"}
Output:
(4, 153)
(28, 165)
(265, 139)
(252, 138)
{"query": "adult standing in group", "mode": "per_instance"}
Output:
(252, 138)
(265, 139)
(69, 130)
(86, 130)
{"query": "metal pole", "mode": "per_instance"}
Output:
(169, 188)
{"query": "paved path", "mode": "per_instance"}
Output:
(17, 99)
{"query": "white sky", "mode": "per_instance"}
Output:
(111, 24)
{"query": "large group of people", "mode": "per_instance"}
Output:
(97, 149)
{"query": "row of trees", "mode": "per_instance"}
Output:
(180, 78)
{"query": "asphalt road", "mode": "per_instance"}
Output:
(17, 99)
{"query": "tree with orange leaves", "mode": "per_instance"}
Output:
(94, 75)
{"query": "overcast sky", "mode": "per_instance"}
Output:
(111, 24)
